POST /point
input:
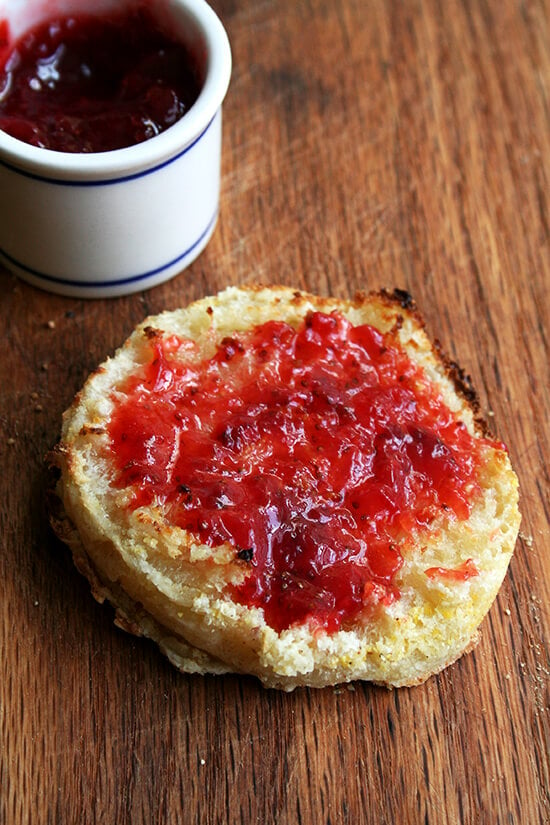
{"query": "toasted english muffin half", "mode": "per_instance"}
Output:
(299, 488)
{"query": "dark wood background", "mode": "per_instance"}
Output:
(367, 143)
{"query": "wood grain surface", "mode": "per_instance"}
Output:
(367, 143)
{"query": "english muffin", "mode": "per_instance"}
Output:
(299, 488)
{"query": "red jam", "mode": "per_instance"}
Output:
(462, 573)
(316, 453)
(87, 84)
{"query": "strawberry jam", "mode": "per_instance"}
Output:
(91, 84)
(316, 453)
(454, 574)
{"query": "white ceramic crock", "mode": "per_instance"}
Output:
(112, 223)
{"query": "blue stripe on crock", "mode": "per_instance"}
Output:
(107, 181)
(121, 281)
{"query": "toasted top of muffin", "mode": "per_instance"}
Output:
(294, 487)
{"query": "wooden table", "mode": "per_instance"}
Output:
(367, 144)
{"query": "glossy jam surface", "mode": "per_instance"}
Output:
(85, 84)
(314, 452)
